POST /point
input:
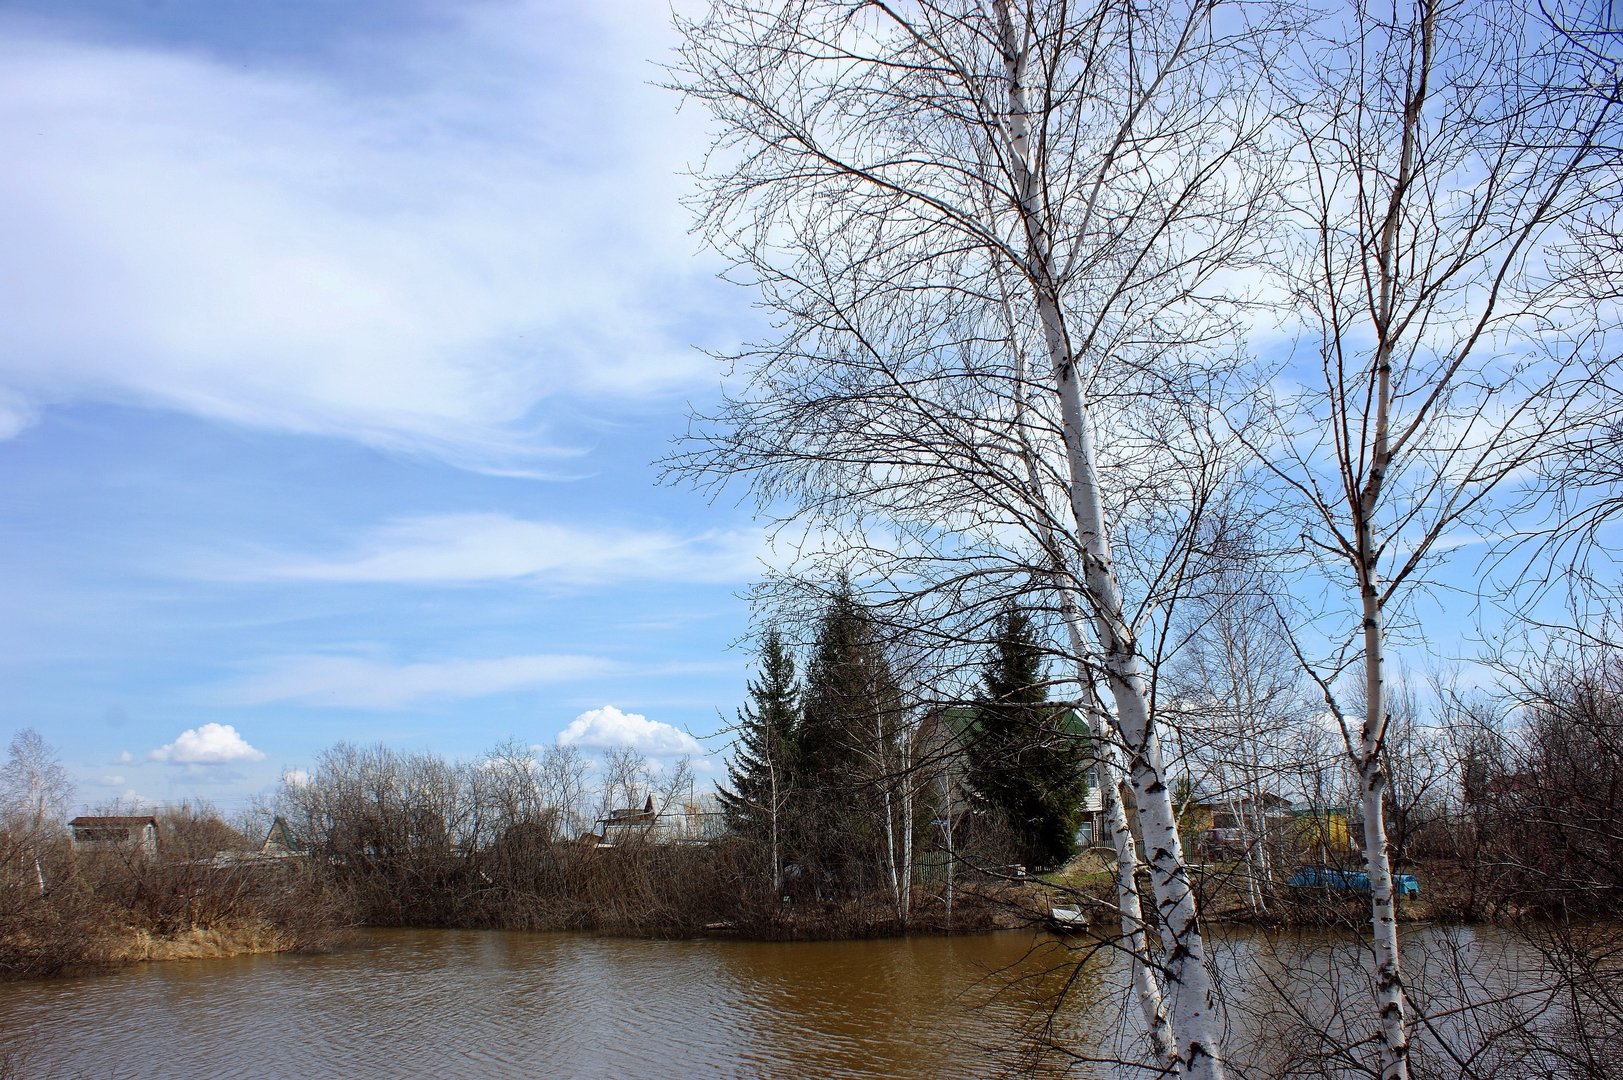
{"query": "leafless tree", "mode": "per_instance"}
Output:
(1241, 706)
(34, 796)
(1453, 162)
(995, 235)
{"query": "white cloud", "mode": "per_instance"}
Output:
(210, 744)
(124, 758)
(295, 778)
(360, 683)
(457, 548)
(601, 729)
(16, 414)
(112, 781)
(286, 247)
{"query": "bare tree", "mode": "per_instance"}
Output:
(34, 796)
(926, 195)
(1452, 161)
(627, 778)
(1241, 706)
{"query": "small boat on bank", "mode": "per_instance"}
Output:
(1067, 918)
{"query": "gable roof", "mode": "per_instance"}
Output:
(281, 835)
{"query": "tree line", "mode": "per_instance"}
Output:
(837, 783)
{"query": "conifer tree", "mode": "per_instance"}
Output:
(1024, 763)
(847, 746)
(759, 782)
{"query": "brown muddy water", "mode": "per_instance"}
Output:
(449, 1003)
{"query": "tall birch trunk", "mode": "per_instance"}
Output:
(1392, 1028)
(1372, 785)
(777, 805)
(907, 851)
(1192, 1006)
(890, 854)
(1107, 771)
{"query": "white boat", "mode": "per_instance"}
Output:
(1067, 918)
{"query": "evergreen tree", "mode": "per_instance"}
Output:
(1024, 761)
(758, 776)
(847, 745)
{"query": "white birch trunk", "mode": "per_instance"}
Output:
(777, 859)
(1372, 784)
(1392, 1029)
(1192, 1005)
(946, 786)
(1107, 772)
(907, 852)
(890, 853)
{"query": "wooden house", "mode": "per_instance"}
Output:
(129, 835)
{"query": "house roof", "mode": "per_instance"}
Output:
(964, 721)
(127, 822)
(281, 834)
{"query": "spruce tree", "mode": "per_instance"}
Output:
(846, 740)
(759, 779)
(1024, 762)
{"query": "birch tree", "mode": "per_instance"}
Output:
(34, 796)
(1241, 706)
(1453, 159)
(928, 195)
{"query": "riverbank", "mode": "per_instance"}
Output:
(99, 913)
(107, 918)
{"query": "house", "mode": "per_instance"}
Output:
(280, 841)
(680, 823)
(129, 835)
(1233, 819)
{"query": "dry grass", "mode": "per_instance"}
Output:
(200, 943)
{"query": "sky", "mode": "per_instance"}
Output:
(339, 340)
(339, 344)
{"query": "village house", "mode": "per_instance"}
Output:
(1232, 820)
(281, 842)
(130, 835)
(680, 823)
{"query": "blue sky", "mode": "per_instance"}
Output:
(337, 340)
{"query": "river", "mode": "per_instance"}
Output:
(448, 1003)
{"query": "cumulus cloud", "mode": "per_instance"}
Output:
(608, 727)
(295, 778)
(293, 247)
(362, 683)
(459, 548)
(210, 744)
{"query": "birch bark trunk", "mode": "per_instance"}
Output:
(1107, 771)
(1192, 1007)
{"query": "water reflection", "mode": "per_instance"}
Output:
(469, 1004)
(452, 1003)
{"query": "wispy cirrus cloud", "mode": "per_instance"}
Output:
(454, 549)
(356, 682)
(421, 267)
